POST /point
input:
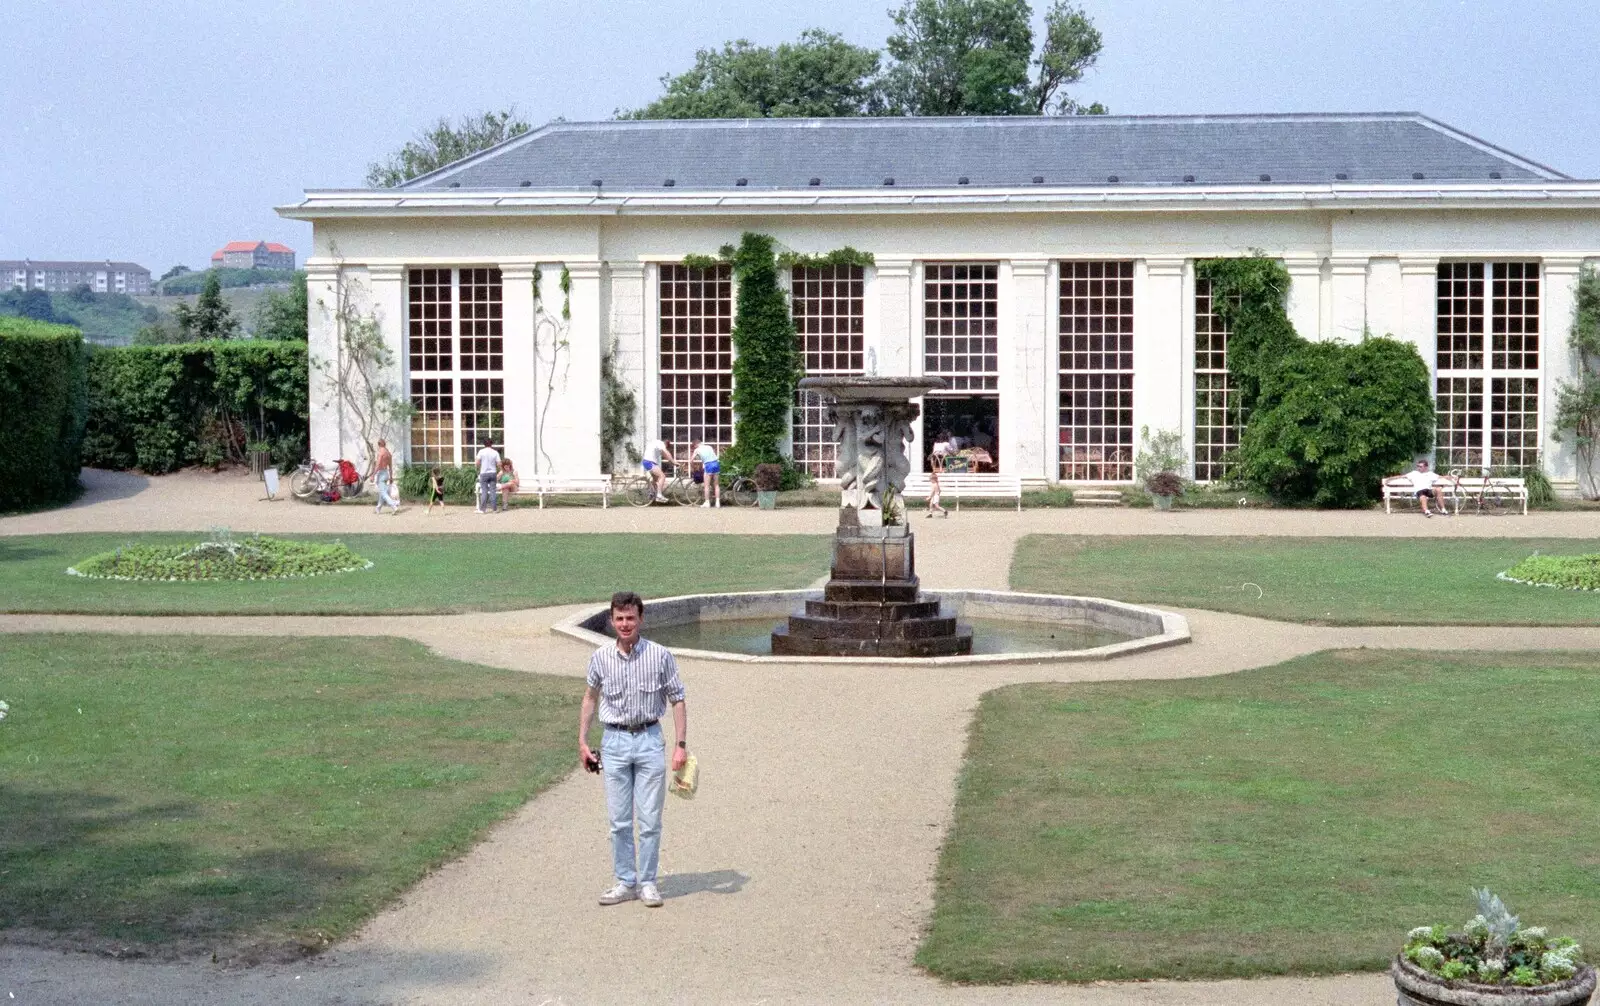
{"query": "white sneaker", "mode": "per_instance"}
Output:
(718, 504)
(661, 499)
(649, 895)
(706, 505)
(620, 893)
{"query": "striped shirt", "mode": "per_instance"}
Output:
(634, 688)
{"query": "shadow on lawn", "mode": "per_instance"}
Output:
(22, 553)
(84, 870)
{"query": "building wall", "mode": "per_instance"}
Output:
(1352, 272)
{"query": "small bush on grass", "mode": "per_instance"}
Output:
(1574, 572)
(255, 558)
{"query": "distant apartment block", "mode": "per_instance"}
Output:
(61, 277)
(253, 255)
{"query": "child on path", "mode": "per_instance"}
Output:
(941, 449)
(435, 490)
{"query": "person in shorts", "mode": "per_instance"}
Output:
(711, 465)
(1425, 483)
(435, 490)
(509, 483)
(941, 450)
(488, 462)
(654, 454)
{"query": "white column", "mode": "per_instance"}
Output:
(1025, 337)
(1185, 363)
(521, 396)
(322, 345)
(627, 333)
(896, 319)
(1305, 295)
(1419, 291)
(1559, 364)
(1159, 359)
(569, 376)
(1349, 299)
(385, 297)
(1385, 311)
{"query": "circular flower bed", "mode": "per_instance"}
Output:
(1572, 572)
(255, 558)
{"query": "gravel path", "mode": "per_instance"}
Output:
(802, 873)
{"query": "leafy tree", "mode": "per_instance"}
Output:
(36, 304)
(81, 294)
(1577, 418)
(282, 315)
(177, 270)
(819, 75)
(976, 57)
(445, 143)
(209, 318)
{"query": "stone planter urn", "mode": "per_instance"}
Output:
(1162, 501)
(1417, 987)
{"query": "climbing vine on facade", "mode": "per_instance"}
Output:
(551, 345)
(766, 362)
(1577, 419)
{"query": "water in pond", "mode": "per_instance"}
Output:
(989, 635)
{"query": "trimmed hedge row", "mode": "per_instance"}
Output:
(159, 408)
(44, 391)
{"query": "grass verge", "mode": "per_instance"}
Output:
(419, 574)
(1295, 819)
(1330, 581)
(184, 794)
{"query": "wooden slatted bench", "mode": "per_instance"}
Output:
(1457, 491)
(567, 485)
(956, 485)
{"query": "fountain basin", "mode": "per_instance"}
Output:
(1107, 629)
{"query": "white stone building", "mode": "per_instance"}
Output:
(1044, 266)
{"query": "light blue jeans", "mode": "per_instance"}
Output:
(636, 786)
(387, 493)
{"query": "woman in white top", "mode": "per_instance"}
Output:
(712, 466)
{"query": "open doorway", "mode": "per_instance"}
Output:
(972, 420)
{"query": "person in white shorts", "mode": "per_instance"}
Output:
(711, 466)
(654, 454)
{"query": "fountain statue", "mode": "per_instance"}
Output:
(871, 605)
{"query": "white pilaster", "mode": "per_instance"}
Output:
(1349, 299)
(1025, 410)
(627, 332)
(1305, 295)
(1385, 307)
(385, 296)
(1419, 282)
(896, 336)
(322, 304)
(1559, 364)
(1185, 362)
(521, 396)
(567, 377)
(1160, 361)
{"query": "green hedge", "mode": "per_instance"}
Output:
(43, 388)
(159, 408)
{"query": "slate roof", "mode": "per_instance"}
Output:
(700, 155)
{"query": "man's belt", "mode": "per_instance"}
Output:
(634, 728)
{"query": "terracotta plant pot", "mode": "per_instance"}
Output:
(1417, 987)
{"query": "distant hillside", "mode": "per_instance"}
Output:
(102, 317)
(190, 282)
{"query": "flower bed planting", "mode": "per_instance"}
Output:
(255, 558)
(1572, 572)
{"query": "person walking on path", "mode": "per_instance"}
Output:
(941, 450)
(488, 461)
(654, 455)
(435, 490)
(711, 470)
(630, 683)
(388, 491)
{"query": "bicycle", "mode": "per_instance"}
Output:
(1489, 500)
(313, 478)
(639, 489)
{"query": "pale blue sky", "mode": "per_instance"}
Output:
(156, 131)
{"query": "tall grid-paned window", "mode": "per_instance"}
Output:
(961, 324)
(829, 320)
(1216, 424)
(455, 361)
(1486, 385)
(1095, 354)
(696, 367)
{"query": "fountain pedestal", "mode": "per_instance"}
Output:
(871, 605)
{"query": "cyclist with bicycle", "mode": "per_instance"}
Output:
(711, 467)
(654, 454)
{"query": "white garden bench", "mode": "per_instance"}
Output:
(567, 485)
(970, 485)
(1456, 491)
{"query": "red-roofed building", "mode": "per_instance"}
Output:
(253, 255)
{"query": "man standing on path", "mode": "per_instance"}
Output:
(488, 472)
(387, 491)
(630, 683)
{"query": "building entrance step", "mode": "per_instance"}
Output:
(1096, 497)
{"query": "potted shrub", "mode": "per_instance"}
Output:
(1163, 486)
(768, 478)
(260, 457)
(1492, 961)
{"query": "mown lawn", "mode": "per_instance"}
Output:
(185, 794)
(1295, 819)
(1334, 581)
(425, 574)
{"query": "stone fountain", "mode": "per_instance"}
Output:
(872, 604)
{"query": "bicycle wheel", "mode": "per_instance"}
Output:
(1496, 501)
(301, 484)
(638, 491)
(742, 491)
(683, 491)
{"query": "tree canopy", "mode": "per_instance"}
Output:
(819, 75)
(443, 143)
(209, 318)
(283, 315)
